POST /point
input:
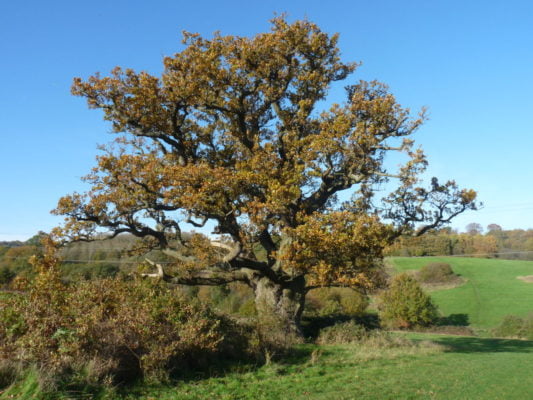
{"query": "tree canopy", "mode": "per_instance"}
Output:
(236, 131)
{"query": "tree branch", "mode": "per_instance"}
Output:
(203, 277)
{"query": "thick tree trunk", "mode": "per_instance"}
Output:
(280, 306)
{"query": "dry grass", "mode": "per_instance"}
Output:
(526, 278)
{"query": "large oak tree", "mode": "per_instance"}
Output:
(236, 132)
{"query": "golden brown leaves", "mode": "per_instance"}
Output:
(339, 248)
(231, 133)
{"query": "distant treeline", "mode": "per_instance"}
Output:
(103, 258)
(83, 260)
(516, 244)
(80, 260)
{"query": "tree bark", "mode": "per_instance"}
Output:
(280, 305)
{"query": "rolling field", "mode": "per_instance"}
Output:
(492, 289)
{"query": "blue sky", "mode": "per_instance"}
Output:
(469, 62)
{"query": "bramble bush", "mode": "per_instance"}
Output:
(112, 330)
(405, 305)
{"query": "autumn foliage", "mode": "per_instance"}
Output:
(235, 133)
(111, 331)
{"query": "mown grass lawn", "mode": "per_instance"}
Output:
(492, 289)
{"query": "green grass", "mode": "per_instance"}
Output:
(491, 291)
(469, 368)
(25, 389)
(463, 368)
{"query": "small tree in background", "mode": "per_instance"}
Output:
(473, 228)
(494, 228)
(405, 305)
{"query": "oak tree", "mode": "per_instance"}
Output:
(236, 133)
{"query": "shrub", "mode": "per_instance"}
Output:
(368, 340)
(405, 305)
(385, 340)
(247, 309)
(342, 333)
(353, 302)
(6, 275)
(336, 301)
(436, 273)
(527, 328)
(112, 331)
(513, 326)
(235, 299)
(76, 272)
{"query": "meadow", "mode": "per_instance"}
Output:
(490, 292)
(456, 368)
(425, 366)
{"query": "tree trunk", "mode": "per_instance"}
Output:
(280, 306)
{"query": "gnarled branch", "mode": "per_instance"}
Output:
(207, 277)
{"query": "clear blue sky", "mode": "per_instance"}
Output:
(469, 62)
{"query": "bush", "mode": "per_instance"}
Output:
(352, 333)
(405, 305)
(342, 333)
(336, 301)
(6, 275)
(436, 273)
(234, 299)
(112, 331)
(513, 326)
(76, 272)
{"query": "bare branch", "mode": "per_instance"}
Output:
(234, 250)
(177, 255)
(206, 277)
(160, 272)
(200, 224)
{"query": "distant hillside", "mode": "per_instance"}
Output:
(491, 291)
(13, 243)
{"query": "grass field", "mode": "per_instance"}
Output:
(469, 368)
(457, 368)
(473, 368)
(491, 291)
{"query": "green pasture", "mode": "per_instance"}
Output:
(467, 368)
(490, 292)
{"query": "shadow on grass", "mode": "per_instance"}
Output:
(297, 356)
(454, 320)
(485, 345)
